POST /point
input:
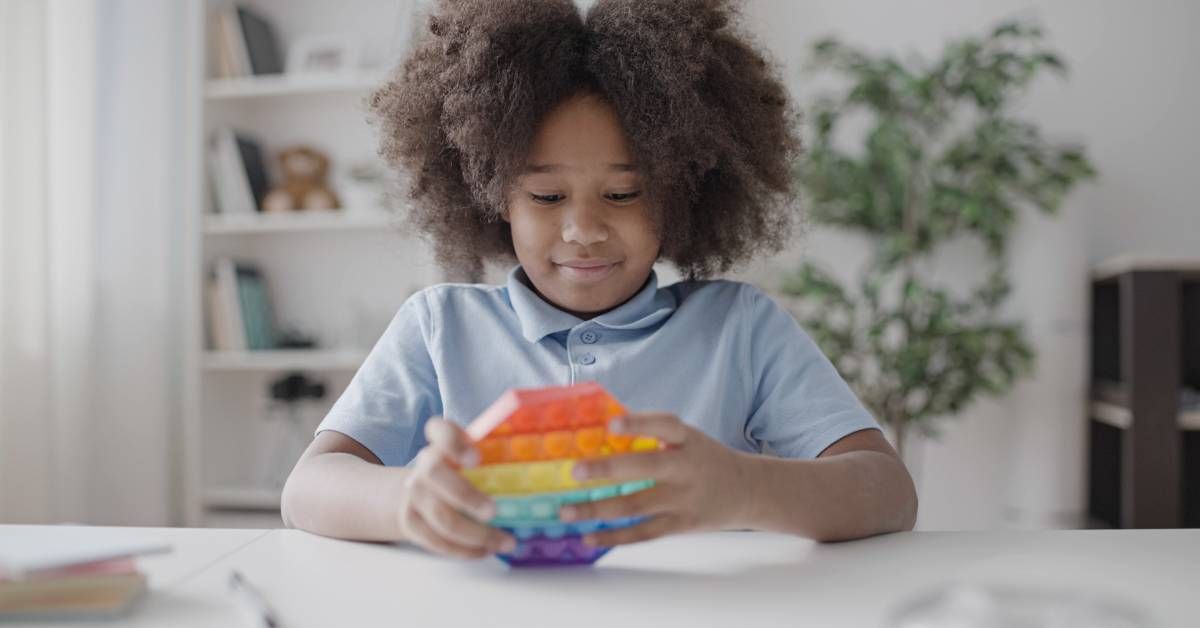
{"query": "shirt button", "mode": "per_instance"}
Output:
(587, 358)
(589, 337)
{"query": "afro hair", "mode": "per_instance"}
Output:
(706, 115)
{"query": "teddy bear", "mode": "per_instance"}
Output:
(303, 172)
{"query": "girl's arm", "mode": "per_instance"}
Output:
(857, 487)
(339, 488)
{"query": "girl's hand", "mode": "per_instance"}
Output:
(439, 510)
(699, 483)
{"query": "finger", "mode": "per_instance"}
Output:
(664, 426)
(651, 529)
(655, 465)
(452, 525)
(451, 441)
(453, 488)
(420, 533)
(646, 502)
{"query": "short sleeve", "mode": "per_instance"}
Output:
(801, 404)
(394, 392)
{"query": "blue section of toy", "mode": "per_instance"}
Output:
(521, 510)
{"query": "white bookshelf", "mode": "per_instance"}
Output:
(283, 360)
(222, 89)
(341, 220)
(338, 275)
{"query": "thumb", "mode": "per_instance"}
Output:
(451, 441)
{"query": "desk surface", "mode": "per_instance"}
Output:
(702, 579)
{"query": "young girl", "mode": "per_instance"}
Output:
(589, 149)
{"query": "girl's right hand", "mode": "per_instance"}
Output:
(440, 510)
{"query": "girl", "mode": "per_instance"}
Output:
(588, 149)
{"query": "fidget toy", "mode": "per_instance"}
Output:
(529, 441)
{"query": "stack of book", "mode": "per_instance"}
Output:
(239, 311)
(238, 172)
(243, 43)
(69, 573)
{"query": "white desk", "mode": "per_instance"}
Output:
(728, 578)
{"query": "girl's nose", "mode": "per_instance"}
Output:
(583, 223)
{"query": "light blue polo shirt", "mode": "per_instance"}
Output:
(721, 355)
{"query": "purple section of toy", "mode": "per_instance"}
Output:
(560, 544)
(544, 552)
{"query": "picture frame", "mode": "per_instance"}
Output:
(323, 54)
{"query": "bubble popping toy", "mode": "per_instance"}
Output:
(529, 441)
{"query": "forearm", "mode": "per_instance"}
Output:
(341, 495)
(840, 497)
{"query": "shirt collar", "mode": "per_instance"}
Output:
(540, 319)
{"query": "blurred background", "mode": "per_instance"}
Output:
(196, 248)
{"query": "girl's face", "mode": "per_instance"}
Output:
(581, 226)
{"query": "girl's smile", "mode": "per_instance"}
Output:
(587, 270)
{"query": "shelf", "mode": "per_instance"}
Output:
(1121, 418)
(1111, 414)
(289, 85)
(242, 519)
(283, 360)
(338, 220)
(1111, 268)
(238, 498)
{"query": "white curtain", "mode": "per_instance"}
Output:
(89, 241)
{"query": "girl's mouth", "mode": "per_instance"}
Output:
(587, 271)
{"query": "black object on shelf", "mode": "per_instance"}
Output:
(255, 164)
(1144, 459)
(296, 387)
(261, 44)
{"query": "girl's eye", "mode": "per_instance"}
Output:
(546, 199)
(623, 197)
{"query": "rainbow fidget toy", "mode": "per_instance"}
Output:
(528, 441)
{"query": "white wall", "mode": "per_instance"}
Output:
(1131, 97)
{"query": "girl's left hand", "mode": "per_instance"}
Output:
(699, 483)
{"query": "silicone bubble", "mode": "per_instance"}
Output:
(526, 477)
(543, 507)
(560, 544)
(584, 442)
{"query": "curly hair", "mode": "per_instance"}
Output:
(707, 117)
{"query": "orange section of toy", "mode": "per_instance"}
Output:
(557, 410)
(590, 442)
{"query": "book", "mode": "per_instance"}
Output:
(240, 316)
(235, 42)
(254, 167)
(260, 43)
(229, 304)
(220, 336)
(28, 550)
(71, 597)
(238, 172)
(256, 309)
(230, 194)
(220, 56)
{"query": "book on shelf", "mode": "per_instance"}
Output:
(243, 43)
(240, 315)
(238, 172)
(70, 573)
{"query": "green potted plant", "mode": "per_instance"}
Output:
(941, 157)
